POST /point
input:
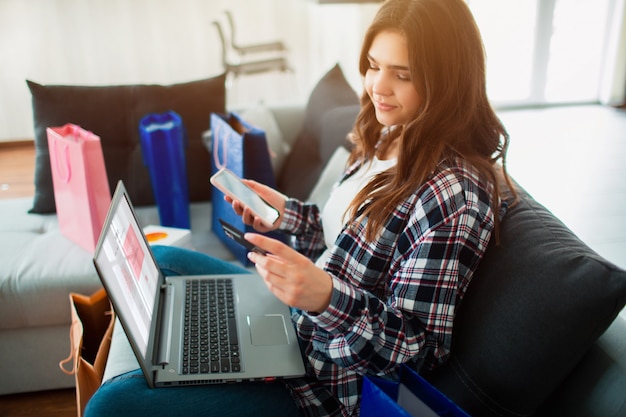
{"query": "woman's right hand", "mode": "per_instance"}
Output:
(273, 197)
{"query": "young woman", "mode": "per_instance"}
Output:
(376, 277)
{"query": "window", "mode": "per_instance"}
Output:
(544, 51)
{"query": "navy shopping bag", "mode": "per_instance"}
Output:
(163, 144)
(410, 396)
(242, 148)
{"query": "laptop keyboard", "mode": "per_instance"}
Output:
(210, 343)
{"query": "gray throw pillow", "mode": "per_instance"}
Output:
(305, 163)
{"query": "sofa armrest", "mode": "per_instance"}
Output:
(597, 386)
(536, 305)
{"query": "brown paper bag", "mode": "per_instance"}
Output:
(90, 340)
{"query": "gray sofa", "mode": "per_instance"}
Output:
(538, 334)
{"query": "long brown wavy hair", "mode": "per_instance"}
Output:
(455, 119)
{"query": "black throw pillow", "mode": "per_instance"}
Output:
(113, 113)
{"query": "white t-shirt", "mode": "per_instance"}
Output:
(333, 220)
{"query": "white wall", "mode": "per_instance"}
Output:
(103, 42)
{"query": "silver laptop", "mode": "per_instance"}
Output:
(196, 329)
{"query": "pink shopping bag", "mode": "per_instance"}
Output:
(81, 187)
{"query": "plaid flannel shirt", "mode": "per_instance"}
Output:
(394, 299)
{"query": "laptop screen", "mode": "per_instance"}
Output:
(126, 267)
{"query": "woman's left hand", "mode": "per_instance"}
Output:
(291, 276)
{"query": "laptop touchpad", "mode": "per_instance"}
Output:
(268, 330)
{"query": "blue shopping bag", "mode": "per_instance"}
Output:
(163, 146)
(410, 396)
(242, 148)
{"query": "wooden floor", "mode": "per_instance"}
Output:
(571, 159)
(59, 403)
(17, 161)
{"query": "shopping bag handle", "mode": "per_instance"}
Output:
(64, 175)
(216, 155)
(73, 354)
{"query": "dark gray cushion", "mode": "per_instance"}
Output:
(535, 306)
(304, 164)
(336, 124)
(597, 386)
(113, 113)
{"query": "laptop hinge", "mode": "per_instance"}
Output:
(165, 339)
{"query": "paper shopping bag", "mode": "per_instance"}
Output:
(242, 148)
(410, 396)
(163, 146)
(90, 340)
(81, 187)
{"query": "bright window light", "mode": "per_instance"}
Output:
(576, 50)
(508, 31)
(543, 51)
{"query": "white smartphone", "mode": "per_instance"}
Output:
(230, 184)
